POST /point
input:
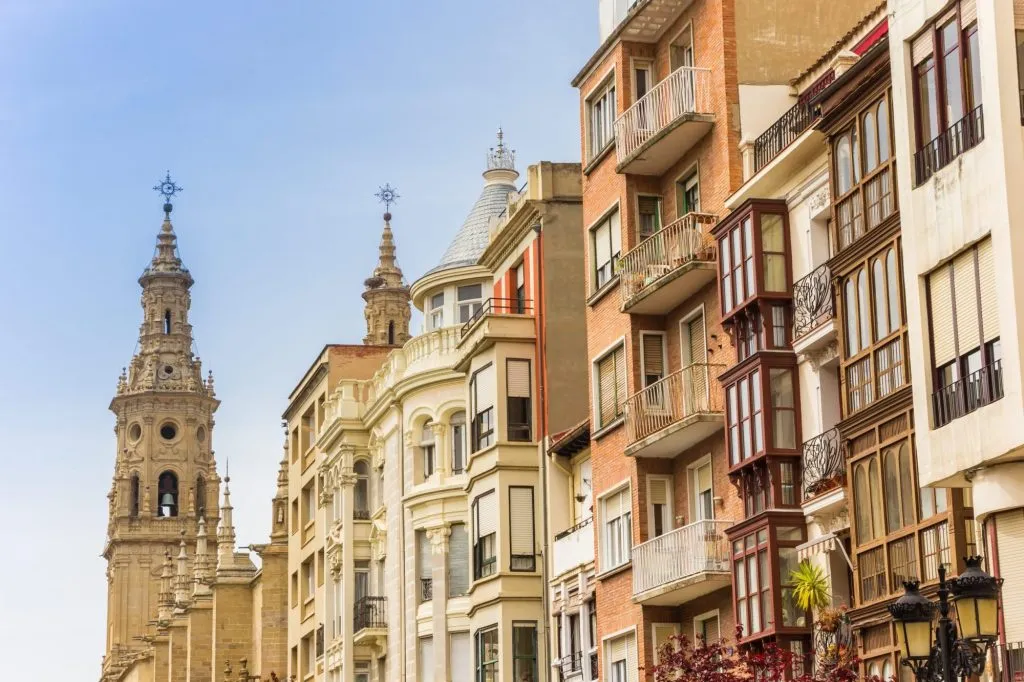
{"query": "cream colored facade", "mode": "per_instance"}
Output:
(962, 241)
(182, 602)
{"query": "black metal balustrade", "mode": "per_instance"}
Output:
(824, 463)
(572, 663)
(370, 612)
(812, 301)
(963, 135)
(593, 666)
(361, 514)
(498, 306)
(968, 394)
(789, 126)
(320, 641)
(426, 589)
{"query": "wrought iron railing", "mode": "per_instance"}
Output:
(593, 666)
(832, 641)
(958, 138)
(687, 90)
(696, 548)
(361, 514)
(678, 396)
(789, 126)
(426, 589)
(680, 242)
(1011, 662)
(572, 663)
(968, 394)
(320, 641)
(812, 301)
(498, 306)
(824, 463)
(370, 613)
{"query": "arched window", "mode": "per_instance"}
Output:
(167, 495)
(877, 522)
(844, 165)
(134, 485)
(861, 503)
(892, 276)
(391, 333)
(200, 497)
(870, 142)
(883, 131)
(427, 449)
(852, 344)
(893, 510)
(907, 485)
(361, 499)
(880, 297)
(167, 322)
(458, 422)
(864, 308)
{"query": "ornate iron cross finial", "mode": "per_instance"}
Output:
(387, 195)
(168, 188)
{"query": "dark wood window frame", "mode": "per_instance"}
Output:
(742, 378)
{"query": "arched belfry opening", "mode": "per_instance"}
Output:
(167, 495)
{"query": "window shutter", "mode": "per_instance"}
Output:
(1010, 540)
(650, 206)
(657, 490)
(423, 558)
(698, 345)
(461, 656)
(606, 389)
(426, 647)
(618, 650)
(520, 520)
(1018, 14)
(941, 302)
(922, 47)
(616, 233)
(704, 478)
(654, 354)
(458, 561)
(485, 388)
(620, 378)
(518, 378)
(487, 514)
(987, 286)
(602, 247)
(631, 664)
(965, 290)
(968, 12)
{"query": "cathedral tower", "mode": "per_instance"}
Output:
(165, 477)
(387, 297)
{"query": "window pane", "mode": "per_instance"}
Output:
(862, 501)
(863, 302)
(927, 112)
(852, 340)
(892, 491)
(879, 300)
(907, 485)
(773, 245)
(883, 131)
(844, 165)
(870, 138)
(953, 85)
(893, 282)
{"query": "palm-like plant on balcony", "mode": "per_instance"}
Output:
(810, 587)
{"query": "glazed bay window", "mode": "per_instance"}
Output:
(762, 563)
(519, 411)
(761, 412)
(864, 178)
(470, 299)
(482, 390)
(485, 531)
(601, 113)
(524, 652)
(947, 90)
(610, 386)
(873, 341)
(964, 321)
(605, 249)
(753, 259)
(616, 540)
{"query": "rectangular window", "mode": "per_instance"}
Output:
(424, 567)
(437, 311)
(652, 357)
(520, 279)
(687, 195)
(753, 258)
(745, 418)
(601, 114)
(649, 213)
(605, 249)
(520, 410)
(783, 404)
(620, 658)
(308, 580)
(659, 502)
(521, 529)
(295, 589)
(308, 429)
(481, 398)
(470, 300)
(701, 493)
(663, 634)
(610, 383)
(964, 322)
(458, 424)
(617, 529)
(458, 561)
(872, 574)
(752, 583)
(485, 531)
(363, 672)
(428, 450)
(935, 549)
(309, 504)
(1020, 69)
(524, 652)
(487, 654)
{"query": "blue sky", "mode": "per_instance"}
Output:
(280, 120)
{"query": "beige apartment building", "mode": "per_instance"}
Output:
(957, 110)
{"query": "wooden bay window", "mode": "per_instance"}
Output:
(763, 561)
(753, 246)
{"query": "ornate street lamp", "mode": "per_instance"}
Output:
(944, 654)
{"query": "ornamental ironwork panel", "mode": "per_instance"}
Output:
(812, 301)
(824, 463)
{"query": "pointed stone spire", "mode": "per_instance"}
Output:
(181, 577)
(166, 596)
(387, 297)
(226, 530)
(201, 564)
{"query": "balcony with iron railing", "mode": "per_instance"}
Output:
(497, 319)
(369, 618)
(675, 413)
(813, 310)
(665, 123)
(573, 547)
(960, 137)
(571, 665)
(789, 127)
(1009, 660)
(974, 391)
(824, 464)
(670, 266)
(682, 564)
(426, 589)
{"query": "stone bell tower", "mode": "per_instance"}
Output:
(165, 477)
(387, 297)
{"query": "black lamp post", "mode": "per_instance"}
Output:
(946, 653)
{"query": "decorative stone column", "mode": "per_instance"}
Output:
(438, 538)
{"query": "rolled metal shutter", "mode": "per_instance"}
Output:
(989, 297)
(941, 301)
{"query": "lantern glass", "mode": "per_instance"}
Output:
(978, 617)
(914, 639)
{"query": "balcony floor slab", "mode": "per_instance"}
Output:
(665, 147)
(678, 437)
(685, 589)
(670, 290)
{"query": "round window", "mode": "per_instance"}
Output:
(201, 434)
(168, 431)
(134, 432)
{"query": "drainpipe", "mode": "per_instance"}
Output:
(401, 530)
(542, 369)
